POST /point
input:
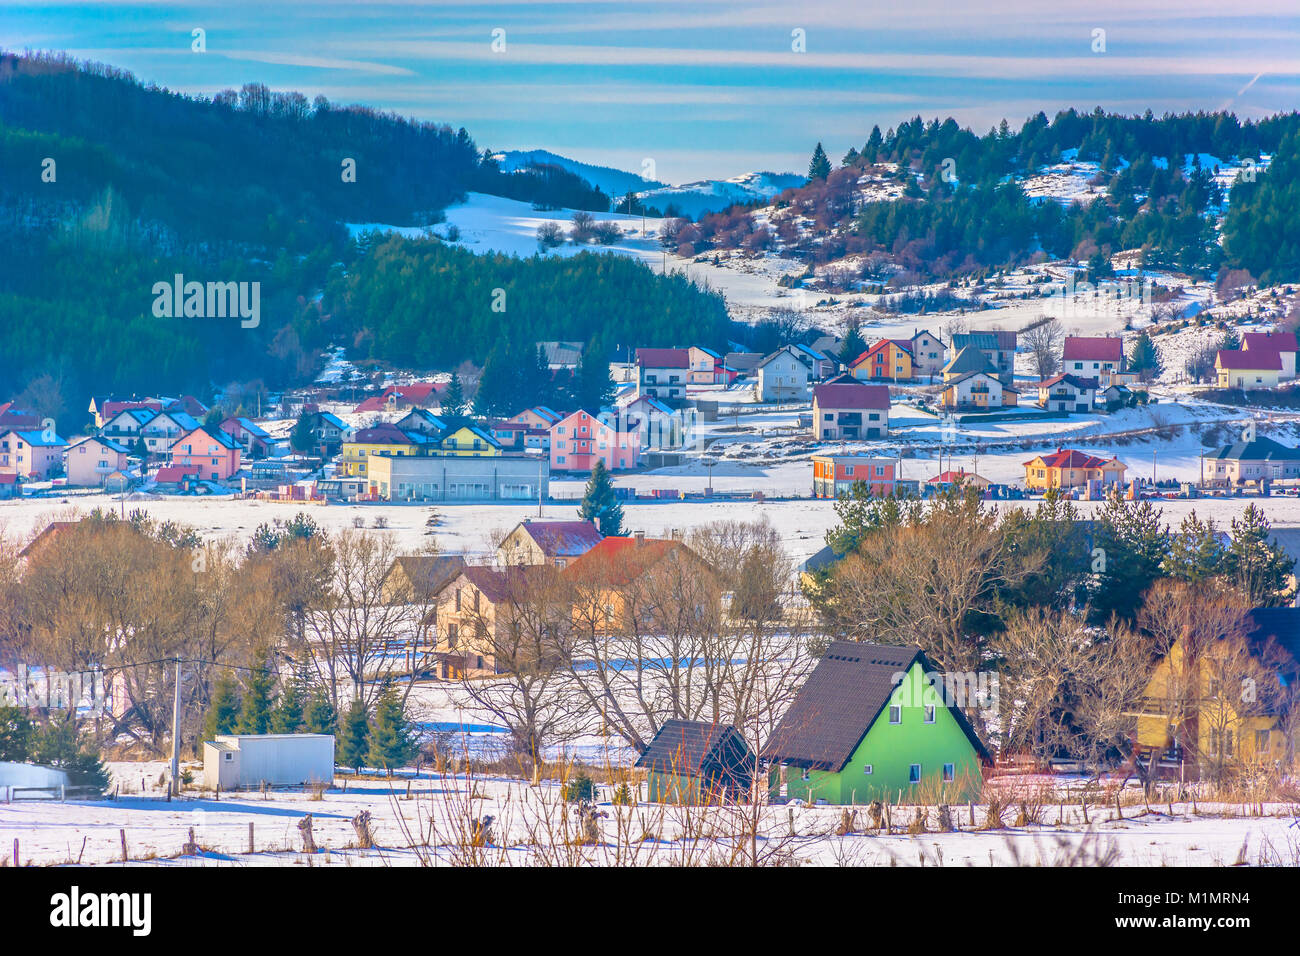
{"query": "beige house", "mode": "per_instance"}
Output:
(90, 462)
(1250, 462)
(978, 391)
(1258, 368)
(557, 543)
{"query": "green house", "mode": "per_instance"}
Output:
(870, 725)
(692, 762)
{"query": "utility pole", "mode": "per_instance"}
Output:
(176, 732)
(539, 486)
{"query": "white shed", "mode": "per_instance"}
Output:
(231, 761)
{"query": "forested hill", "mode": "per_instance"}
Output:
(934, 199)
(248, 164)
(108, 186)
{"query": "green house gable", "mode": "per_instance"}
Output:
(856, 734)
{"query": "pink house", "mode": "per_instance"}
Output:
(216, 453)
(90, 461)
(31, 454)
(581, 438)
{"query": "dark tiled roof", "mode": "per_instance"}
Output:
(564, 539)
(690, 747)
(1261, 449)
(429, 573)
(843, 697)
(844, 394)
(969, 359)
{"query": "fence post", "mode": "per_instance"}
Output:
(122, 834)
(15, 851)
(250, 836)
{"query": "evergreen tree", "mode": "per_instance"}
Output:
(860, 513)
(1258, 567)
(288, 715)
(1144, 359)
(15, 735)
(850, 157)
(820, 166)
(319, 716)
(593, 388)
(302, 439)
(391, 742)
(497, 395)
(1196, 551)
(223, 710)
(1129, 551)
(1231, 341)
(353, 741)
(59, 745)
(453, 400)
(599, 502)
(139, 449)
(255, 709)
(853, 345)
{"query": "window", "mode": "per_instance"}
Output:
(228, 756)
(805, 776)
(867, 770)
(929, 714)
(914, 773)
(949, 773)
(452, 636)
(895, 714)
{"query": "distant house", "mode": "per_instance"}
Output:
(529, 430)
(1067, 393)
(89, 462)
(663, 373)
(417, 578)
(381, 440)
(397, 397)
(471, 608)
(783, 376)
(1284, 343)
(580, 439)
(742, 363)
(929, 354)
(889, 359)
(37, 455)
(659, 427)
(254, 439)
(11, 417)
(695, 763)
(557, 543)
(1093, 356)
(1246, 370)
(423, 421)
(174, 477)
(960, 478)
(835, 475)
(820, 365)
(969, 359)
(467, 440)
(155, 428)
(868, 725)
(104, 409)
(1249, 462)
(702, 365)
(562, 355)
(606, 578)
(217, 455)
(9, 486)
(1114, 396)
(327, 431)
(846, 410)
(999, 347)
(1067, 468)
(978, 391)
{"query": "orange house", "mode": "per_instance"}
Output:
(887, 359)
(1067, 468)
(216, 454)
(612, 580)
(835, 475)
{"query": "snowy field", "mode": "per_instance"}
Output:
(534, 825)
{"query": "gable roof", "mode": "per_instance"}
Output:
(497, 584)
(174, 474)
(108, 443)
(663, 358)
(1270, 341)
(1093, 348)
(998, 340)
(246, 424)
(1261, 449)
(838, 394)
(622, 559)
(687, 747)
(1077, 381)
(789, 350)
(560, 539)
(1070, 458)
(1257, 360)
(969, 359)
(429, 573)
(222, 438)
(36, 439)
(842, 699)
(989, 373)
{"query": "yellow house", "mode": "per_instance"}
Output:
(606, 597)
(1066, 468)
(388, 440)
(1257, 368)
(888, 359)
(469, 441)
(1221, 708)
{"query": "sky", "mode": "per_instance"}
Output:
(705, 88)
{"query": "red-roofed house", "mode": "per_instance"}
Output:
(1254, 369)
(951, 479)
(1093, 355)
(1067, 468)
(9, 487)
(557, 543)
(845, 409)
(1284, 343)
(886, 359)
(663, 373)
(607, 576)
(394, 397)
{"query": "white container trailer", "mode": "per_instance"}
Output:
(231, 761)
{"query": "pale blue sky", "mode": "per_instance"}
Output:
(706, 89)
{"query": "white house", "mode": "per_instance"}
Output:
(1067, 393)
(783, 377)
(232, 761)
(929, 354)
(1283, 343)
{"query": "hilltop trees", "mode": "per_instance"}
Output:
(819, 167)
